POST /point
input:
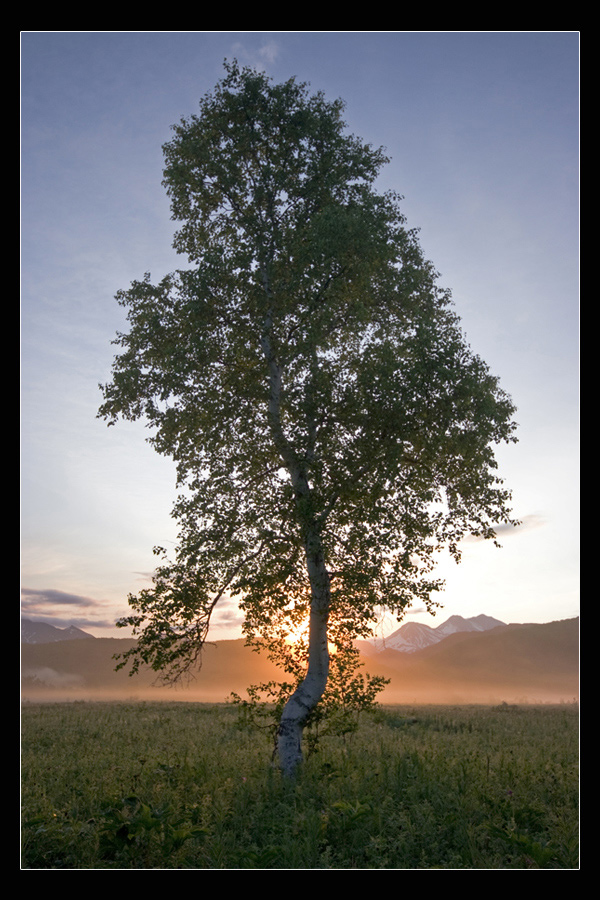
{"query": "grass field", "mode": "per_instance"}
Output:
(182, 785)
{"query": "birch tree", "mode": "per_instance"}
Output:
(331, 428)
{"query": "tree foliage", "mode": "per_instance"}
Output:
(331, 428)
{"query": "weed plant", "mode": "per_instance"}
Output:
(184, 785)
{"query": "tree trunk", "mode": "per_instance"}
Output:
(308, 693)
(304, 699)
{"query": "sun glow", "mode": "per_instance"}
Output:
(297, 633)
(298, 636)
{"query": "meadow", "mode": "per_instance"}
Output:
(171, 785)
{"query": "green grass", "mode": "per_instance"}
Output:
(180, 785)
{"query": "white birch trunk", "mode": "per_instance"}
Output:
(308, 693)
(304, 699)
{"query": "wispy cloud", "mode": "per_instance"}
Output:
(259, 58)
(526, 523)
(39, 599)
(61, 609)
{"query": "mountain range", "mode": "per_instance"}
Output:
(489, 663)
(42, 633)
(413, 636)
(408, 638)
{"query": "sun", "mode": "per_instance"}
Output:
(297, 633)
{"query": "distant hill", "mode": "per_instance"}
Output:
(86, 669)
(42, 633)
(513, 663)
(528, 663)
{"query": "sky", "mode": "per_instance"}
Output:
(482, 129)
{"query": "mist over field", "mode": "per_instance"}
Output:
(528, 663)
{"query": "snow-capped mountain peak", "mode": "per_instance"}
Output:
(33, 632)
(414, 636)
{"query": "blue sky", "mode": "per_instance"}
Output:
(483, 133)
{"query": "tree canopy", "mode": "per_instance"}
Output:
(331, 428)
